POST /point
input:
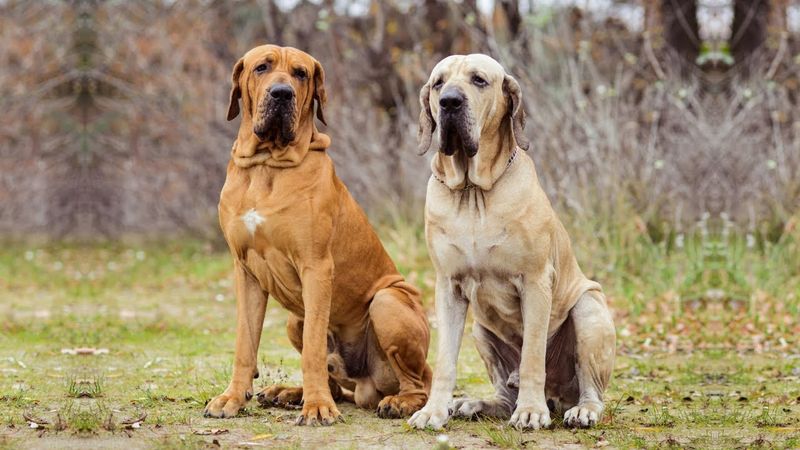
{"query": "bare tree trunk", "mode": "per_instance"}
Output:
(673, 24)
(682, 29)
(749, 30)
(777, 23)
(507, 20)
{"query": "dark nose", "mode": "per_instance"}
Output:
(281, 92)
(451, 100)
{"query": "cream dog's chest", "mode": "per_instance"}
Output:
(486, 249)
(485, 264)
(458, 252)
(464, 243)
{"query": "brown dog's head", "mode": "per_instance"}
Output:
(279, 87)
(468, 98)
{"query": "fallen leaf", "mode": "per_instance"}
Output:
(138, 420)
(84, 351)
(210, 432)
(134, 423)
(648, 429)
(34, 422)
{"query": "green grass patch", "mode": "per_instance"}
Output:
(94, 337)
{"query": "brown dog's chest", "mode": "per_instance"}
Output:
(262, 219)
(284, 222)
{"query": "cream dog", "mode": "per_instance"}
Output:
(542, 328)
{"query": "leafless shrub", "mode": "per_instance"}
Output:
(112, 113)
(34, 124)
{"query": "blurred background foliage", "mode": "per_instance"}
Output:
(654, 113)
(665, 132)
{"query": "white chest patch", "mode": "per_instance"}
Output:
(252, 219)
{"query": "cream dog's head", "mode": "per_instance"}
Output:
(469, 98)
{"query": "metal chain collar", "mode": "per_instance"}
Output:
(470, 185)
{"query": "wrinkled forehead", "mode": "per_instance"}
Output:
(281, 56)
(466, 64)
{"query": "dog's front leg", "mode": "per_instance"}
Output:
(535, 302)
(318, 404)
(251, 302)
(451, 313)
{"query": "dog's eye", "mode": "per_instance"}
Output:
(479, 81)
(261, 68)
(300, 74)
(438, 83)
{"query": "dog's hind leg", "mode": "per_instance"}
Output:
(561, 385)
(594, 348)
(278, 394)
(402, 333)
(502, 363)
(291, 397)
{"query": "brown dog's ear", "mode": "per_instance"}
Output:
(516, 111)
(236, 90)
(426, 123)
(320, 96)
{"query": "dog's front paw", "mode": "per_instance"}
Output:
(530, 417)
(281, 396)
(227, 404)
(430, 417)
(585, 415)
(318, 412)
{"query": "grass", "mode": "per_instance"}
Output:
(124, 344)
(501, 435)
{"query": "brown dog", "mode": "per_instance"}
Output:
(296, 234)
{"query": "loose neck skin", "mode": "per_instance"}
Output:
(495, 147)
(249, 151)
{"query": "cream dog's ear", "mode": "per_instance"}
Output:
(516, 111)
(320, 96)
(236, 90)
(426, 123)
